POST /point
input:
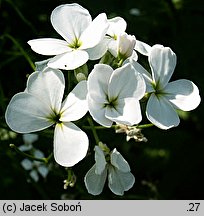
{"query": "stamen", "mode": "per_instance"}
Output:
(76, 44)
(55, 117)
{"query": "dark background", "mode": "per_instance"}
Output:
(171, 164)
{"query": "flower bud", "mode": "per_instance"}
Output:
(81, 73)
(126, 44)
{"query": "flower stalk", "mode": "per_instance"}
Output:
(92, 127)
(31, 157)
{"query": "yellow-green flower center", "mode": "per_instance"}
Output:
(75, 44)
(111, 103)
(157, 88)
(54, 117)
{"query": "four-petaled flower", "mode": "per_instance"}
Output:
(81, 34)
(166, 97)
(113, 95)
(117, 28)
(35, 167)
(40, 106)
(113, 164)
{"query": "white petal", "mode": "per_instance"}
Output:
(126, 44)
(43, 170)
(117, 26)
(100, 160)
(146, 75)
(26, 147)
(27, 164)
(97, 111)
(49, 46)
(119, 162)
(161, 113)
(127, 111)
(75, 105)
(133, 57)
(118, 181)
(95, 32)
(70, 60)
(94, 183)
(48, 86)
(26, 113)
(99, 50)
(126, 82)
(41, 65)
(28, 139)
(183, 94)
(162, 62)
(113, 47)
(38, 154)
(142, 48)
(70, 144)
(34, 175)
(70, 20)
(98, 81)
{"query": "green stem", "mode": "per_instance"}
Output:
(96, 127)
(145, 126)
(47, 160)
(71, 179)
(120, 62)
(44, 160)
(69, 81)
(108, 59)
(93, 130)
(114, 126)
(16, 43)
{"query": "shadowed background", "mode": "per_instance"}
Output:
(171, 164)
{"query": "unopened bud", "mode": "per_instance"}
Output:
(126, 44)
(81, 73)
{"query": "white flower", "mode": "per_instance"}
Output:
(126, 44)
(81, 37)
(28, 140)
(113, 95)
(40, 106)
(166, 96)
(118, 40)
(117, 28)
(120, 178)
(35, 167)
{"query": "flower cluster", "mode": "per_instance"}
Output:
(111, 92)
(35, 168)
